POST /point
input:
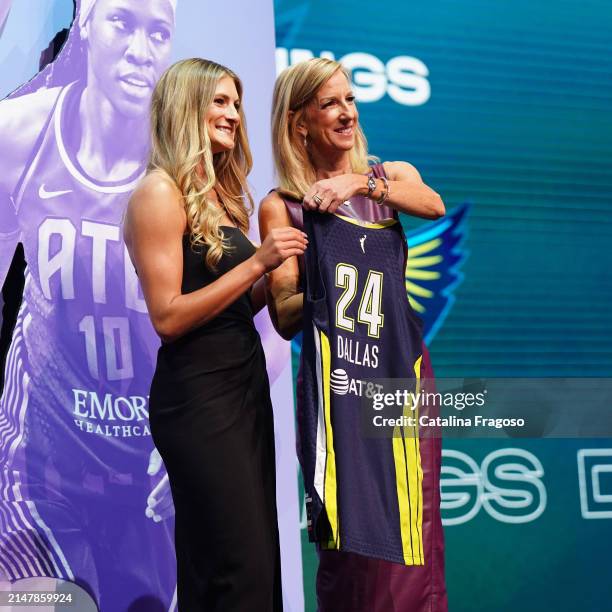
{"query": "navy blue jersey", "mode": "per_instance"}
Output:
(363, 493)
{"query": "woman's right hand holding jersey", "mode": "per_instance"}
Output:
(280, 244)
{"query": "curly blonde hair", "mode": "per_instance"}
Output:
(181, 149)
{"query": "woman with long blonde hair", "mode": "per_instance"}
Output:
(209, 405)
(375, 553)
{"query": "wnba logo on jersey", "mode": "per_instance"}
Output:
(362, 243)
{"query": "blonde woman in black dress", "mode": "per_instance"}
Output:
(210, 409)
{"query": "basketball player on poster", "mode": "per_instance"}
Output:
(76, 455)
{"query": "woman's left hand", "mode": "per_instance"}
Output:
(327, 195)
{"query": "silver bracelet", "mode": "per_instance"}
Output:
(385, 193)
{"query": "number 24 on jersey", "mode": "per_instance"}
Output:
(370, 304)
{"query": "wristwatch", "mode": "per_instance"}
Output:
(371, 186)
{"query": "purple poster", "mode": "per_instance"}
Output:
(83, 494)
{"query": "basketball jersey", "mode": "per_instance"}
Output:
(83, 350)
(363, 493)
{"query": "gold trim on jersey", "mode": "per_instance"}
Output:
(378, 225)
(330, 500)
(409, 482)
(325, 482)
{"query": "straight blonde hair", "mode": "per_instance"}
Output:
(295, 88)
(181, 149)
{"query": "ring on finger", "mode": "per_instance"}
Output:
(317, 199)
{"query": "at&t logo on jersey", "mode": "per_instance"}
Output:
(342, 384)
(339, 382)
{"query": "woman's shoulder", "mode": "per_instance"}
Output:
(272, 199)
(277, 196)
(156, 197)
(279, 207)
(276, 202)
(158, 185)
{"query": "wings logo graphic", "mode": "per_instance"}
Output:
(435, 255)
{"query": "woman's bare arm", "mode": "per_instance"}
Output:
(154, 228)
(407, 192)
(284, 297)
(258, 294)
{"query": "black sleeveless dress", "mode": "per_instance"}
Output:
(211, 420)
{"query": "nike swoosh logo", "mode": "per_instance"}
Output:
(43, 194)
